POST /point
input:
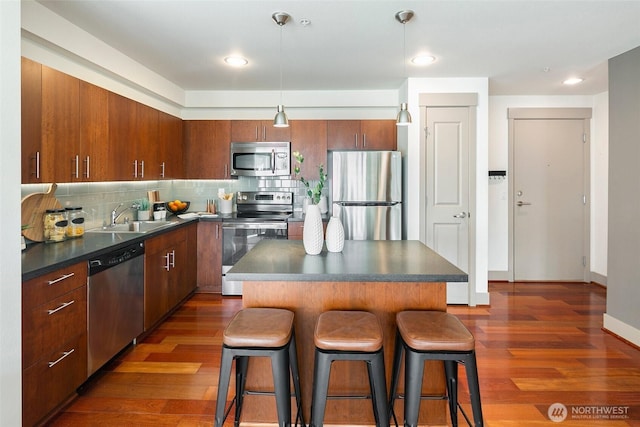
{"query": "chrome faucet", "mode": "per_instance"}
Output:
(115, 215)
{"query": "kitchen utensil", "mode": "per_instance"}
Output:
(33, 207)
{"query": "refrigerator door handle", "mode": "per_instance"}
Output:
(366, 203)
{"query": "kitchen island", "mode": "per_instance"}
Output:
(383, 277)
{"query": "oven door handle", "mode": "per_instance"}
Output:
(255, 226)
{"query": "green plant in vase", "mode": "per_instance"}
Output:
(315, 192)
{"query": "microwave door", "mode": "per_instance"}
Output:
(253, 161)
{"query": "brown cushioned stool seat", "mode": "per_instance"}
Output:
(265, 332)
(353, 336)
(434, 335)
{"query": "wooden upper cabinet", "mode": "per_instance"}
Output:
(122, 137)
(93, 156)
(361, 135)
(309, 137)
(258, 130)
(31, 113)
(147, 162)
(206, 149)
(60, 124)
(170, 146)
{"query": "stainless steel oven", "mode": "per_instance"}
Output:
(260, 215)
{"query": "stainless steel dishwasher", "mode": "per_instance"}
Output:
(115, 303)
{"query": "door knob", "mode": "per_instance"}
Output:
(460, 215)
(520, 203)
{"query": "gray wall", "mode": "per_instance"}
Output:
(623, 290)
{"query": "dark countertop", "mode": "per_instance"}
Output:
(361, 260)
(43, 258)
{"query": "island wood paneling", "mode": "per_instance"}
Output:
(307, 300)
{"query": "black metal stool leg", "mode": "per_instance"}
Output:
(321, 372)
(223, 386)
(282, 383)
(242, 363)
(395, 375)
(414, 370)
(474, 388)
(451, 374)
(293, 360)
(378, 389)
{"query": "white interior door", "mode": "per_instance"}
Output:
(549, 200)
(447, 223)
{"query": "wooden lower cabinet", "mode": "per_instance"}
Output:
(54, 340)
(210, 257)
(169, 272)
(295, 230)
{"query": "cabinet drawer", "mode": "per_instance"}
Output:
(164, 241)
(44, 387)
(46, 327)
(36, 292)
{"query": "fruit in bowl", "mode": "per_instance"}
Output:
(177, 206)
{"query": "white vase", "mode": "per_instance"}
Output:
(335, 235)
(312, 236)
(143, 215)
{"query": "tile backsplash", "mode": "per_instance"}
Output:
(97, 199)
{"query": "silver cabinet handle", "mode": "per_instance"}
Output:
(135, 168)
(217, 231)
(64, 354)
(77, 168)
(167, 264)
(356, 139)
(520, 203)
(162, 170)
(37, 164)
(460, 215)
(60, 279)
(63, 305)
(87, 162)
(364, 140)
(173, 258)
(141, 168)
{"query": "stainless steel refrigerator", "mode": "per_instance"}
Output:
(367, 193)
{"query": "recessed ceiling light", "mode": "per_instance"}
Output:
(423, 60)
(573, 81)
(236, 61)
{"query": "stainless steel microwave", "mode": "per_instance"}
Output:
(262, 159)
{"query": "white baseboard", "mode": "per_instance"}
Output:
(500, 276)
(599, 279)
(621, 329)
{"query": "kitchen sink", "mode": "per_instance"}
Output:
(134, 227)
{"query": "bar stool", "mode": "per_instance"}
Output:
(266, 332)
(434, 335)
(353, 336)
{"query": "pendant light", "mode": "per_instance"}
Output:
(280, 120)
(404, 16)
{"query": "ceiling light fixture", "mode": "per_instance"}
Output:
(423, 60)
(280, 120)
(573, 81)
(404, 118)
(235, 61)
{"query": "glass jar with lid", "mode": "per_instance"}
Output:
(55, 225)
(75, 216)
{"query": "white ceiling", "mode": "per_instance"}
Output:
(358, 45)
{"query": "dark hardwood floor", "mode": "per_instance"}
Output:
(537, 344)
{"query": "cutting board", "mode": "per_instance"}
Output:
(33, 207)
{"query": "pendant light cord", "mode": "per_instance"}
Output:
(280, 63)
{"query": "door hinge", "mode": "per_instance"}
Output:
(584, 199)
(426, 131)
(584, 138)
(584, 261)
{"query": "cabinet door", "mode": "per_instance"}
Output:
(309, 137)
(294, 230)
(343, 135)
(170, 147)
(258, 130)
(184, 265)
(60, 123)
(210, 256)
(146, 143)
(93, 157)
(206, 149)
(378, 134)
(156, 284)
(31, 113)
(122, 137)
